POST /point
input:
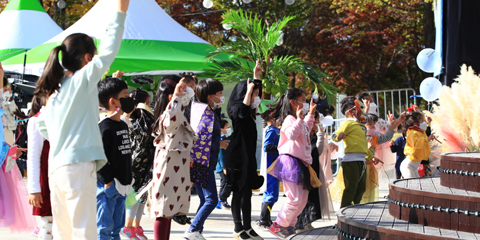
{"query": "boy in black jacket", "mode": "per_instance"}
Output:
(115, 178)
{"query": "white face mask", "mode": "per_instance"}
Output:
(373, 108)
(256, 103)
(190, 93)
(423, 126)
(222, 101)
(305, 108)
(315, 96)
(319, 127)
(229, 132)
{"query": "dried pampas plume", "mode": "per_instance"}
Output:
(457, 118)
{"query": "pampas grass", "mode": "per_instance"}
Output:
(457, 118)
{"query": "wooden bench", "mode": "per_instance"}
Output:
(373, 221)
(324, 233)
(425, 201)
(460, 171)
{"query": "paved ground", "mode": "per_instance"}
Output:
(218, 226)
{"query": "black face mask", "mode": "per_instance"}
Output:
(127, 104)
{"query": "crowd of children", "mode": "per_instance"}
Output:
(82, 171)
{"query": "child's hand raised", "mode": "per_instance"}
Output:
(299, 113)
(341, 136)
(376, 161)
(257, 71)
(180, 89)
(313, 107)
(250, 87)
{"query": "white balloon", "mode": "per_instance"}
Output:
(327, 121)
(289, 2)
(247, 1)
(430, 89)
(207, 3)
(227, 26)
(429, 60)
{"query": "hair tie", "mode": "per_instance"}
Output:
(170, 82)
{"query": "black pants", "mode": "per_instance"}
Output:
(242, 202)
(225, 189)
(399, 175)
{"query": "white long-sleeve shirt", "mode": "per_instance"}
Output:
(69, 121)
(35, 147)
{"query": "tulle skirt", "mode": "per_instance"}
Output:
(15, 212)
(288, 168)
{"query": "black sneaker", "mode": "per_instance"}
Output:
(180, 219)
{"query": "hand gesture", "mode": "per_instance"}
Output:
(366, 104)
(392, 143)
(180, 89)
(415, 108)
(341, 136)
(390, 117)
(35, 199)
(118, 74)
(429, 119)
(224, 144)
(250, 86)
(299, 113)
(376, 161)
(313, 107)
(225, 171)
(257, 71)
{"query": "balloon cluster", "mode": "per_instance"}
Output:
(430, 61)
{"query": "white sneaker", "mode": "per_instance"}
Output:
(192, 236)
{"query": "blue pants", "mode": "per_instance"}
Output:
(208, 201)
(271, 194)
(273, 184)
(110, 212)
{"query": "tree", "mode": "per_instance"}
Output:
(257, 42)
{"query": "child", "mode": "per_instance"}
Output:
(242, 164)
(69, 122)
(206, 123)
(15, 212)
(295, 156)
(398, 146)
(319, 204)
(270, 149)
(174, 138)
(353, 134)
(115, 178)
(37, 168)
(142, 160)
(417, 146)
(225, 188)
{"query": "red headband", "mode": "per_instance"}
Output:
(170, 82)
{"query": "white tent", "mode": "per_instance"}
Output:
(153, 42)
(25, 25)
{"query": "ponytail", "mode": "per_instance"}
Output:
(49, 82)
(73, 50)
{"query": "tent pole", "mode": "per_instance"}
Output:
(24, 63)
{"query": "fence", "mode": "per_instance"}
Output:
(394, 100)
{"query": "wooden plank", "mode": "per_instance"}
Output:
(477, 220)
(454, 217)
(376, 213)
(466, 235)
(362, 213)
(464, 219)
(413, 198)
(433, 231)
(448, 233)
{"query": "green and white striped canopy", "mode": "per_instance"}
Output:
(153, 43)
(24, 25)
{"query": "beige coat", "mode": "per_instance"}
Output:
(170, 186)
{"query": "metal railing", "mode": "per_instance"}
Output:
(394, 100)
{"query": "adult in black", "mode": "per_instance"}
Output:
(240, 158)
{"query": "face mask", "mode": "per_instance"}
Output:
(229, 132)
(190, 93)
(222, 101)
(371, 132)
(315, 96)
(127, 104)
(319, 126)
(255, 103)
(423, 126)
(305, 108)
(372, 109)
